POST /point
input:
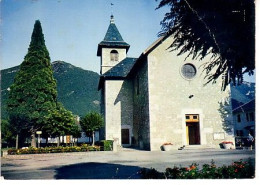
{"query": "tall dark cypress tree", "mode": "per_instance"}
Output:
(33, 95)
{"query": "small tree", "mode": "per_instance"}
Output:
(75, 132)
(91, 123)
(19, 128)
(60, 122)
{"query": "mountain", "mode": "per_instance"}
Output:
(77, 88)
(242, 94)
(7, 77)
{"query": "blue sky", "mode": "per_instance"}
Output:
(73, 28)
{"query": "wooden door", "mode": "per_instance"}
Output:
(193, 133)
(192, 129)
(125, 136)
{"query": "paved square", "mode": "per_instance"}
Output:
(110, 165)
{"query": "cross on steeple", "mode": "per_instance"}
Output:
(111, 5)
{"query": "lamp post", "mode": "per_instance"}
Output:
(39, 138)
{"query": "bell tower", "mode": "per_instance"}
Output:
(112, 49)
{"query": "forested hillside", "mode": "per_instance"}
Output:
(77, 88)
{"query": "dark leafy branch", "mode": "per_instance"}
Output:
(223, 29)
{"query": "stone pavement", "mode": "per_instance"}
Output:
(124, 164)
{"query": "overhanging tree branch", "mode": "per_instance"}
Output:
(223, 29)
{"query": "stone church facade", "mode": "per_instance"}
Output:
(159, 97)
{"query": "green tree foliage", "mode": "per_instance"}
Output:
(7, 135)
(60, 122)
(75, 131)
(91, 123)
(33, 92)
(224, 29)
(19, 128)
(10, 130)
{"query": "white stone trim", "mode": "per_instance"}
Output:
(201, 118)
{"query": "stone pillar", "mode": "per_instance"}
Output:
(115, 143)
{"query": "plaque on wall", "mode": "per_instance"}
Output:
(218, 135)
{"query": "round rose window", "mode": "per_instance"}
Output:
(188, 71)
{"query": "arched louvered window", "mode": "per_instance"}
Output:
(114, 55)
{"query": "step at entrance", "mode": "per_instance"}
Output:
(196, 147)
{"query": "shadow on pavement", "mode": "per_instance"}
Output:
(97, 171)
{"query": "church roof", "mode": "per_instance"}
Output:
(112, 38)
(119, 71)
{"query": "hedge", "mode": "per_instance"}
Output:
(32, 150)
(106, 145)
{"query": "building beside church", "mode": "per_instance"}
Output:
(159, 97)
(244, 119)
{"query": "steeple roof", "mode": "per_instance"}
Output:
(112, 38)
(113, 33)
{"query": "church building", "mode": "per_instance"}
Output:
(159, 97)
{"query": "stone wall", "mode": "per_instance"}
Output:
(171, 96)
(118, 108)
(141, 109)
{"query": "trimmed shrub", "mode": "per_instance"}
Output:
(106, 145)
(60, 149)
(94, 148)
